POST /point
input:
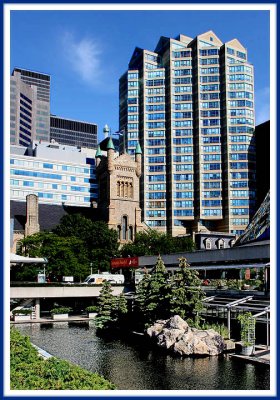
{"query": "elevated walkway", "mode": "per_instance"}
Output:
(39, 292)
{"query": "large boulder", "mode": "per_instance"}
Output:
(176, 322)
(168, 337)
(155, 330)
(175, 334)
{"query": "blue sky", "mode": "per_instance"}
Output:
(86, 52)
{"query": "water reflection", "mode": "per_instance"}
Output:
(138, 367)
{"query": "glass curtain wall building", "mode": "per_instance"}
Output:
(190, 104)
(23, 108)
(73, 133)
(38, 112)
(56, 174)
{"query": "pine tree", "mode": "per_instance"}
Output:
(111, 309)
(107, 306)
(152, 295)
(121, 310)
(121, 306)
(186, 294)
(141, 299)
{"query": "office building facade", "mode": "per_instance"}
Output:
(30, 106)
(190, 103)
(57, 174)
(73, 133)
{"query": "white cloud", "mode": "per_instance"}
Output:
(84, 57)
(262, 100)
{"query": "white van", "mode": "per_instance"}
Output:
(96, 279)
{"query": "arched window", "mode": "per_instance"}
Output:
(232, 242)
(131, 190)
(124, 227)
(221, 244)
(118, 189)
(126, 189)
(130, 233)
(122, 189)
(208, 244)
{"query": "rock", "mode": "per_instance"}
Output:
(176, 322)
(168, 337)
(215, 344)
(229, 345)
(201, 348)
(155, 329)
(176, 335)
(183, 348)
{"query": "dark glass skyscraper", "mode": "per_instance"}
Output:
(73, 133)
(30, 106)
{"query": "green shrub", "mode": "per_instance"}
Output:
(61, 310)
(22, 311)
(92, 309)
(247, 333)
(29, 371)
(220, 328)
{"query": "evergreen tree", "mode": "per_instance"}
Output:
(121, 304)
(107, 307)
(141, 299)
(121, 309)
(153, 294)
(111, 309)
(186, 294)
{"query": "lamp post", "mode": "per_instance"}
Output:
(90, 268)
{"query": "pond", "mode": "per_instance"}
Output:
(132, 365)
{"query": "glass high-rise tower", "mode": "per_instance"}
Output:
(30, 106)
(190, 104)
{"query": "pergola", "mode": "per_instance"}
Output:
(229, 308)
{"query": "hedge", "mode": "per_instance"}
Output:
(61, 310)
(29, 371)
(22, 311)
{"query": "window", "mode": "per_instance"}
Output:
(119, 229)
(208, 244)
(221, 244)
(46, 165)
(130, 233)
(124, 227)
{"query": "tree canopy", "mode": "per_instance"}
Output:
(160, 296)
(153, 242)
(75, 246)
(111, 309)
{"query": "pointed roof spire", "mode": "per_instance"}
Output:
(138, 149)
(98, 152)
(110, 144)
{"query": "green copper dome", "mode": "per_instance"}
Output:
(138, 149)
(110, 144)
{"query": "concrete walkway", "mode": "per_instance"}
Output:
(50, 320)
(260, 356)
